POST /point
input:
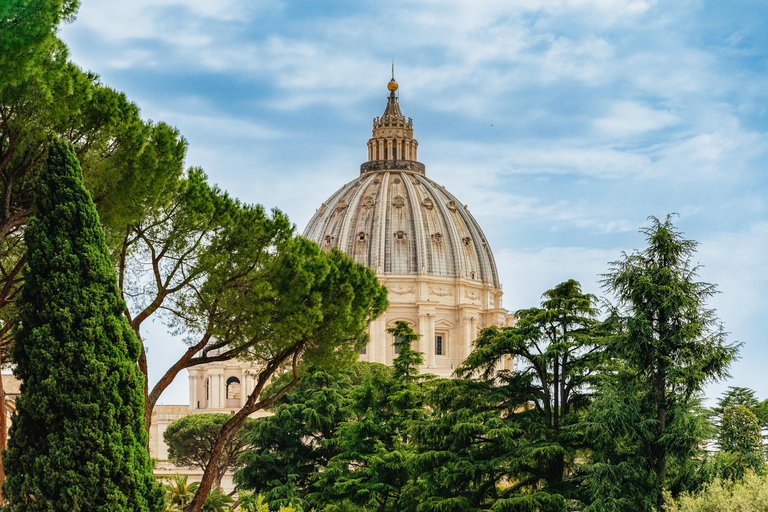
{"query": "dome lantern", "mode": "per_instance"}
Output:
(392, 145)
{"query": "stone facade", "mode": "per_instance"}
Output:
(422, 242)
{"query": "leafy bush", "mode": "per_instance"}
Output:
(747, 495)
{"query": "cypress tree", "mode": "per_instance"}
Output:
(78, 441)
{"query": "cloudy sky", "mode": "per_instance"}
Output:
(563, 124)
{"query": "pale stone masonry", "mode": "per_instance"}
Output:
(423, 243)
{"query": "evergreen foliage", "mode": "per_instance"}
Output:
(371, 470)
(78, 441)
(669, 345)
(470, 452)
(179, 492)
(740, 436)
(289, 448)
(559, 353)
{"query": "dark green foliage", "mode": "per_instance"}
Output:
(668, 345)
(557, 347)
(78, 441)
(300, 439)
(314, 307)
(469, 452)
(371, 469)
(191, 439)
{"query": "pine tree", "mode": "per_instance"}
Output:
(669, 345)
(371, 472)
(78, 441)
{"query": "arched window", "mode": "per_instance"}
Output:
(233, 388)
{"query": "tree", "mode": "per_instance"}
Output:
(741, 396)
(557, 346)
(740, 435)
(191, 439)
(289, 448)
(204, 264)
(316, 309)
(470, 451)
(78, 417)
(371, 468)
(669, 345)
(128, 164)
(179, 492)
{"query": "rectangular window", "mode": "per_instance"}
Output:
(398, 339)
(363, 350)
(439, 345)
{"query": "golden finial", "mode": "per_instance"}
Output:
(392, 85)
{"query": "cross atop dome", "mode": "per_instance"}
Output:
(392, 145)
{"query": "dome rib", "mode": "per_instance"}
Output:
(449, 257)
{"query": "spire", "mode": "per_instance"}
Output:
(392, 145)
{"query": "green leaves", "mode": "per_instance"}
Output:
(81, 393)
(668, 345)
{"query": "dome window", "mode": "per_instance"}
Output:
(398, 202)
(368, 202)
(362, 236)
(400, 236)
(466, 241)
(452, 206)
(396, 181)
(437, 238)
(328, 240)
(428, 204)
(341, 205)
(472, 275)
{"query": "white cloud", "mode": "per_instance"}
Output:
(526, 274)
(629, 118)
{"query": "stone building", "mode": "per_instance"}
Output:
(423, 243)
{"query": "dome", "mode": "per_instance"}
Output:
(423, 244)
(395, 220)
(401, 222)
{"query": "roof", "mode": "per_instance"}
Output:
(401, 222)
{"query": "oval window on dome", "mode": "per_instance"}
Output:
(398, 202)
(368, 202)
(428, 204)
(466, 240)
(452, 206)
(362, 236)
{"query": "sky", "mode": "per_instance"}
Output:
(562, 124)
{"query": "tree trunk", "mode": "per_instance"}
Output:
(3, 428)
(661, 457)
(234, 424)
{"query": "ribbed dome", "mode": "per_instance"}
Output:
(400, 222)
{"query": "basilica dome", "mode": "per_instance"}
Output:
(395, 220)
(421, 241)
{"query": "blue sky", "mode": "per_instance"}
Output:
(563, 124)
